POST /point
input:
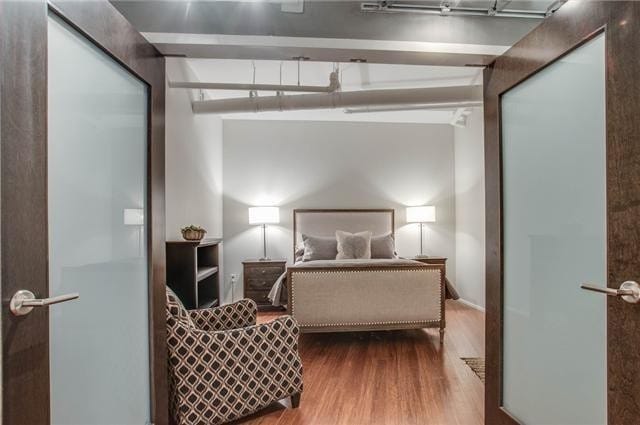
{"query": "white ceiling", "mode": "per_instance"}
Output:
(219, 39)
(327, 30)
(354, 77)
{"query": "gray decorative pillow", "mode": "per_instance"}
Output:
(353, 245)
(383, 246)
(319, 248)
(299, 252)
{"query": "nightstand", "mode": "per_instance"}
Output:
(432, 260)
(259, 277)
(451, 292)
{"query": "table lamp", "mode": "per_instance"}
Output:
(421, 215)
(264, 216)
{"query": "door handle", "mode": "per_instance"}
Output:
(24, 301)
(629, 291)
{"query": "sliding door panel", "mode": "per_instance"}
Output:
(554, 223)
(97, 153)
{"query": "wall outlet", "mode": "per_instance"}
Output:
(233, 277)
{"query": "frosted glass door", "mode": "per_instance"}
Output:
(554, 224)
(97, 149)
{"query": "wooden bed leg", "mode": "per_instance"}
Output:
(441, 335)
(295, 400)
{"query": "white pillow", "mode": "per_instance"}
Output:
(353, 245)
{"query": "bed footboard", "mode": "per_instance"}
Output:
(356, 298)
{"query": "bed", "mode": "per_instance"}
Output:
(360, 295)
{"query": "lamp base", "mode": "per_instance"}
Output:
(264, 259)
(421, 256)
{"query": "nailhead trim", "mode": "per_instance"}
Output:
(426, 270)
(408, 322)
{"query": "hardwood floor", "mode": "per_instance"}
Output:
(390, 377)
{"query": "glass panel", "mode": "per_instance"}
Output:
(97, 176)
(554, 200)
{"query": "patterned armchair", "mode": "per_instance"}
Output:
(222, 366)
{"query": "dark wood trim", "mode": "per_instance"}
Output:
(264, 262)
(203, 242)
(340, 210)
(23, 60)
(24, 248)
(109, 30)
(573, 25)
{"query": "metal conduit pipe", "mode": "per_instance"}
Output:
(418, 107)
(334, 85)
(453, 10)
(340, 100)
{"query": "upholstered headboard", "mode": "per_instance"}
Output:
(325, 222)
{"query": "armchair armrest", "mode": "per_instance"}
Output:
(230, 316)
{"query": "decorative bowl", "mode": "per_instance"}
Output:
(193, 233)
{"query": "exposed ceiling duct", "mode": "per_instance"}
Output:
(362, 98)
(334, 85)
(450, 8)
(421, 107)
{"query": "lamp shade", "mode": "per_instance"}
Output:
(423, 214)
(264, 215)
(133, 217)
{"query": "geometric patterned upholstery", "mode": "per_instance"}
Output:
(232, 316)
(223, 367)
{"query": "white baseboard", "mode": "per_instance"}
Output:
(470, 304)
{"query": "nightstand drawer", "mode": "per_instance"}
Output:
(259, 278)
(266, 272)
(259, 284)
(260, 297)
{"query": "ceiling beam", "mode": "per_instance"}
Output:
(220, 46)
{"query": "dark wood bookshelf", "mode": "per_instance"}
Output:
(192, 272)
(205, 272)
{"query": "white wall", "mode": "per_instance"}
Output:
(470, 210)
(295, 164)
(193, 160)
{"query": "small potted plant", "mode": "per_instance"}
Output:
(193, 233)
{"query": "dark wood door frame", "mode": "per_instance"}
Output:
(574, 24)
(23, 173)
(23, 213)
